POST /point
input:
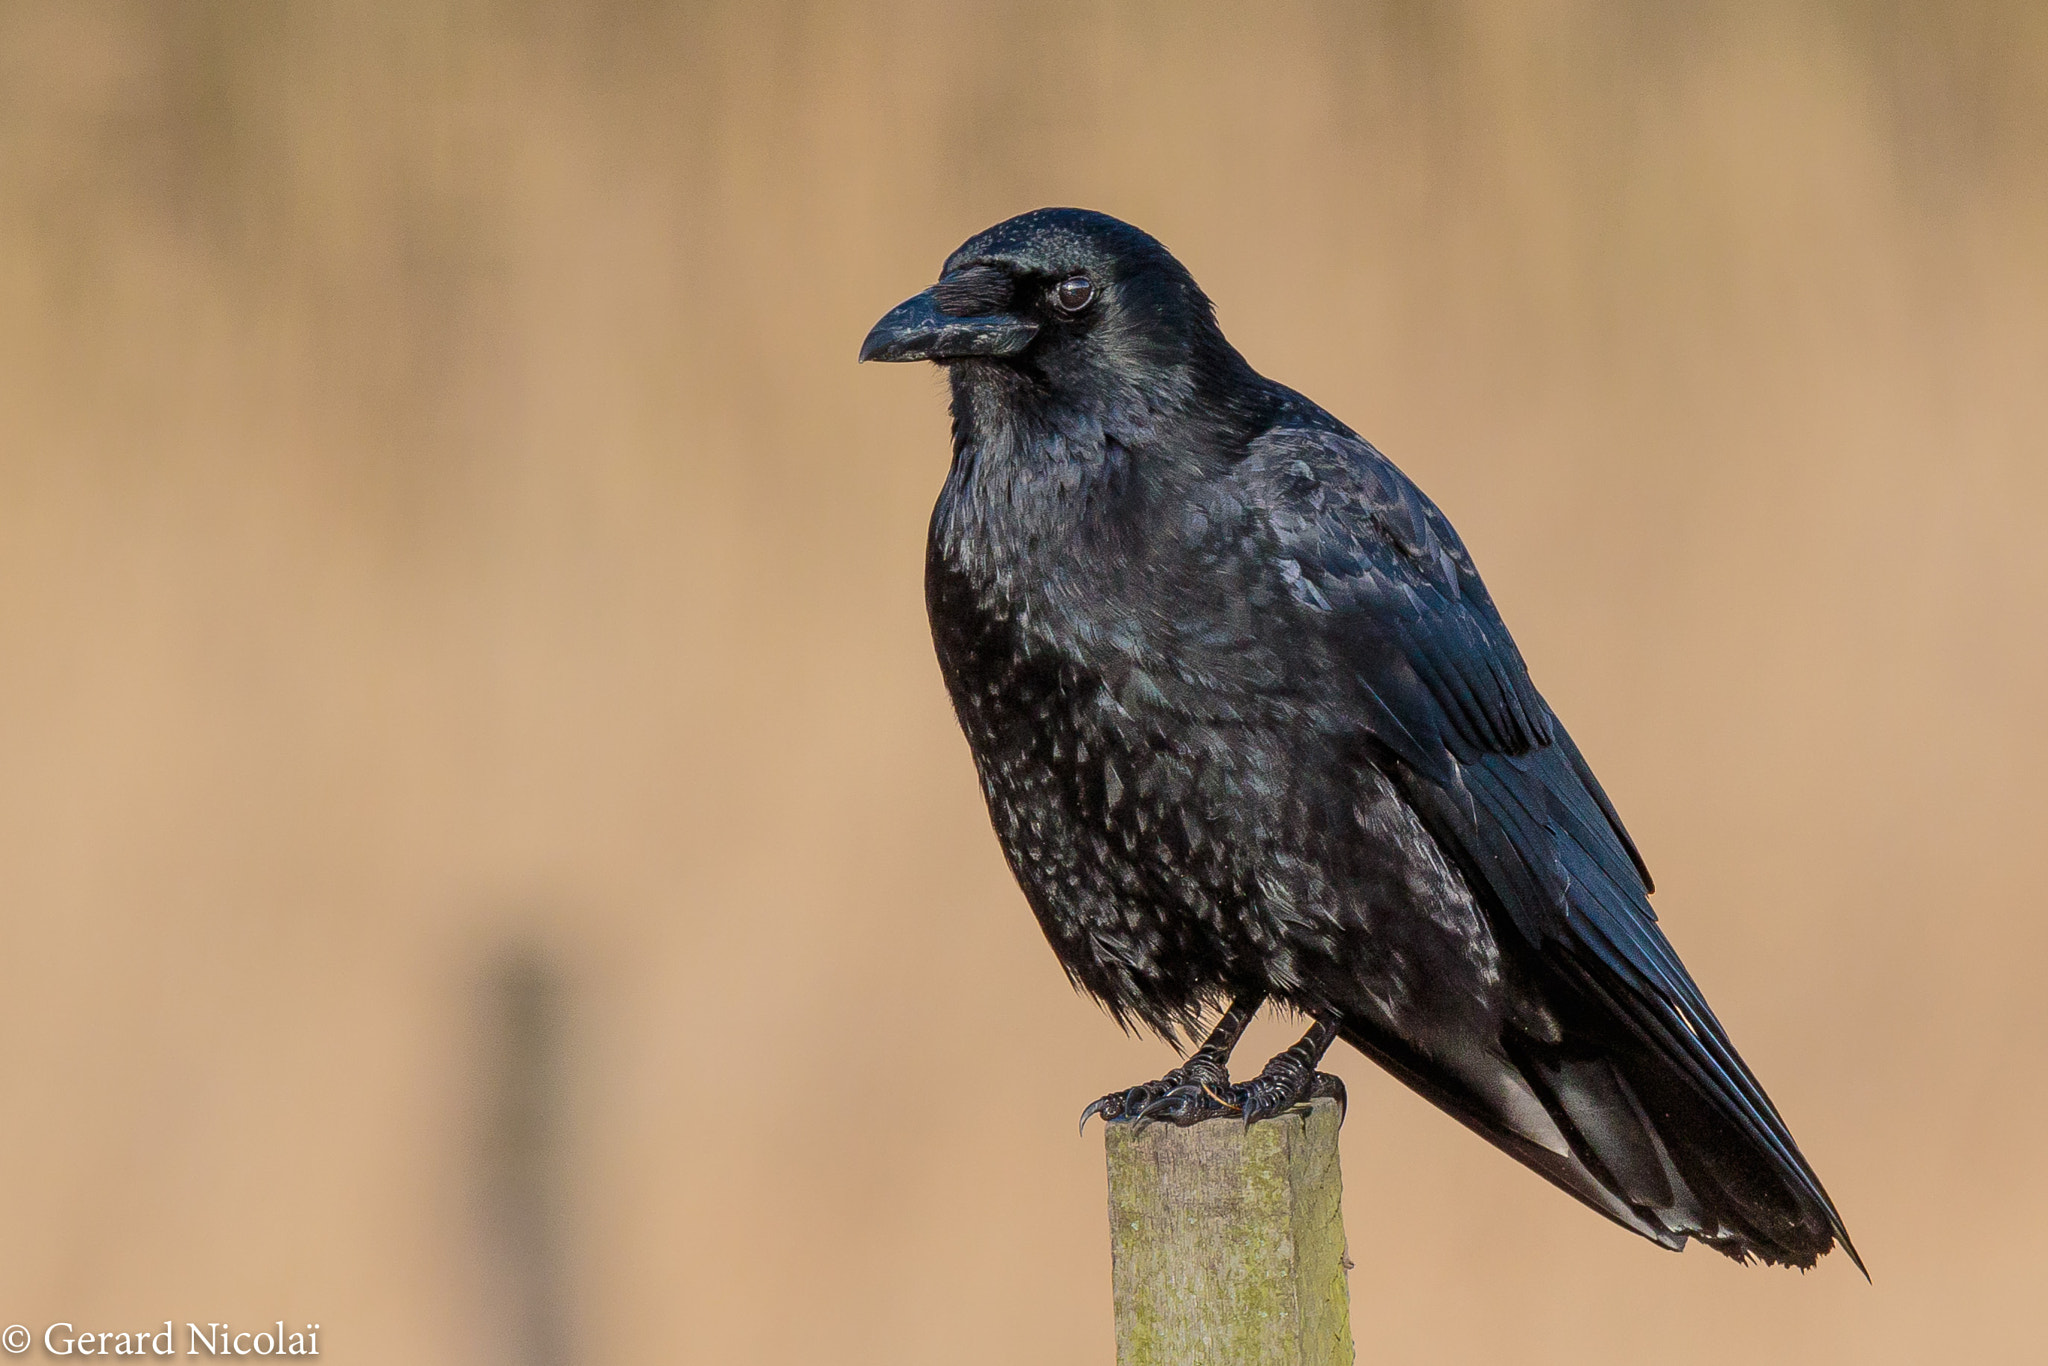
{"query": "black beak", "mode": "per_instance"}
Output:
(918, 329)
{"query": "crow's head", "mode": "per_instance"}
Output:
(1085, 308)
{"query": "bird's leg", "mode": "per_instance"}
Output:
(1197, 1089)
(1292, 1078)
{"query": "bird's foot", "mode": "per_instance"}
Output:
(1189, 1095)
(1285, 1083)
(1198, 1089)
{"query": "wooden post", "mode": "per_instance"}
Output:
(1227, 1242)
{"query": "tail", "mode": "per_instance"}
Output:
(1631, 1137)
(1636, 1102)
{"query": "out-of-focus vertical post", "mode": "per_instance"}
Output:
(522, 1162)
(1227, 1242)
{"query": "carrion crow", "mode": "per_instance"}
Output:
(1250, 729)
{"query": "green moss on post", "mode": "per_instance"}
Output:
(1227, 1243)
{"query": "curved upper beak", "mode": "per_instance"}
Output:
(917, 329)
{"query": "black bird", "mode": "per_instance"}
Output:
(1250, 729)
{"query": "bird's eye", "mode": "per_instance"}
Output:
(1074, 293)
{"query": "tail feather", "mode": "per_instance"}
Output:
(1655, 1105)
(1465, 1103)
(1643, 1149)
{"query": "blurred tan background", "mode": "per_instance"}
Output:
(486, 862)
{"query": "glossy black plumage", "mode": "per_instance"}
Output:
(1249, 727)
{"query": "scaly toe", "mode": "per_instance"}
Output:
(1126, 1104)
(1183, 1105)
(1273, 1092)
(1329, 1087)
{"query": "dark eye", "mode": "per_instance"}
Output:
(1074, 293)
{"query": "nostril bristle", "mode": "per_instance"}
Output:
(973, 290)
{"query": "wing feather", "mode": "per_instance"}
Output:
(1446, 692)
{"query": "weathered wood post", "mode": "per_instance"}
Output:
(1227, 1242)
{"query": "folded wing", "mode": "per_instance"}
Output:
(1669, 1132)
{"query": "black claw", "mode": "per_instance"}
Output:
(1160, 1105)
(1328, 1087)
(1280, 1088)
(1119, 1106)
(1183, 1105)
(1187, 1095)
